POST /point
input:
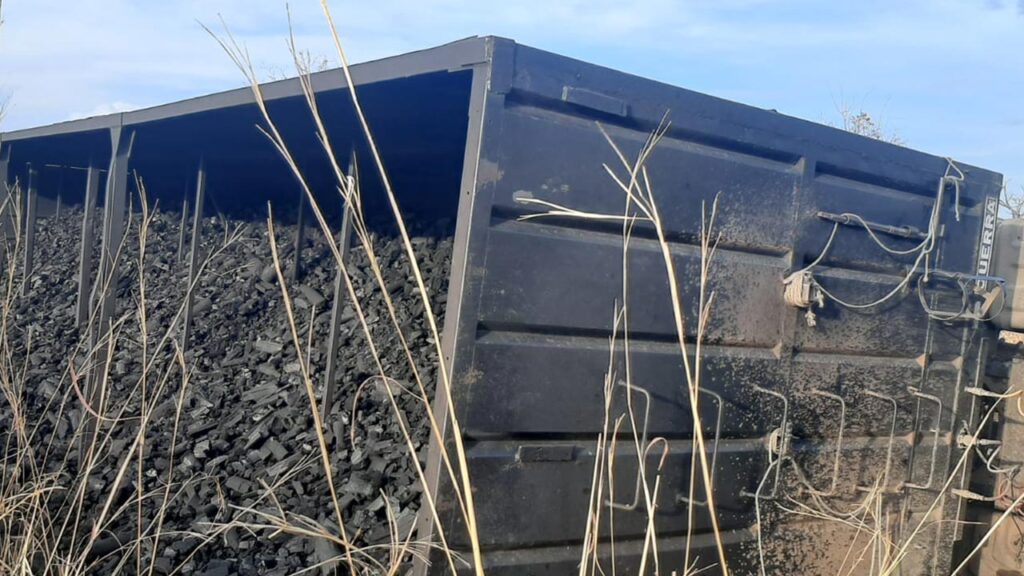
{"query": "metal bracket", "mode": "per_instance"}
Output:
(976, 391)
(714, 454)
(968, 495)
(892, 439)
(935, 439)
(839, 442)
(854, 220)
(595, 101)
(777, 444)
(642, 457)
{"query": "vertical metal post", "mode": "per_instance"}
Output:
(5, 167)
(182, 227)
(193, 264)
(115, 201)
(31, 199)
(104, 290)
(300, 233)
(344, 243)
(92, 186)
(60, 190)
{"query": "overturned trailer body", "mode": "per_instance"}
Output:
(854, 380)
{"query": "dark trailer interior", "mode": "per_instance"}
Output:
(469, 129)
(244, 171)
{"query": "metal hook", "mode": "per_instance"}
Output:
(892, 438)
(643, 454)
(839, 442)
(935, 439)
(778, 444)
(714, 454)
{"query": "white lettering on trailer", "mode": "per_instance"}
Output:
(988, 234)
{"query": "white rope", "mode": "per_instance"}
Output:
(821, 255)
(899, 287)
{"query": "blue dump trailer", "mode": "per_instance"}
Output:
(849, 356)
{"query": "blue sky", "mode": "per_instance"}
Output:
(946, 75)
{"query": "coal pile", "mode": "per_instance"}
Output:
(245, 424)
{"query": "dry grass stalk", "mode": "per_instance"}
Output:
(466, 498)
(350, 194)
(53, 537)
(641, 206)
(894, 563)
(311, 394)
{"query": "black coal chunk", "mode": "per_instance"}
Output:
(231, 439)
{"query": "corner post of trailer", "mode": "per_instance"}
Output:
(491, 78)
